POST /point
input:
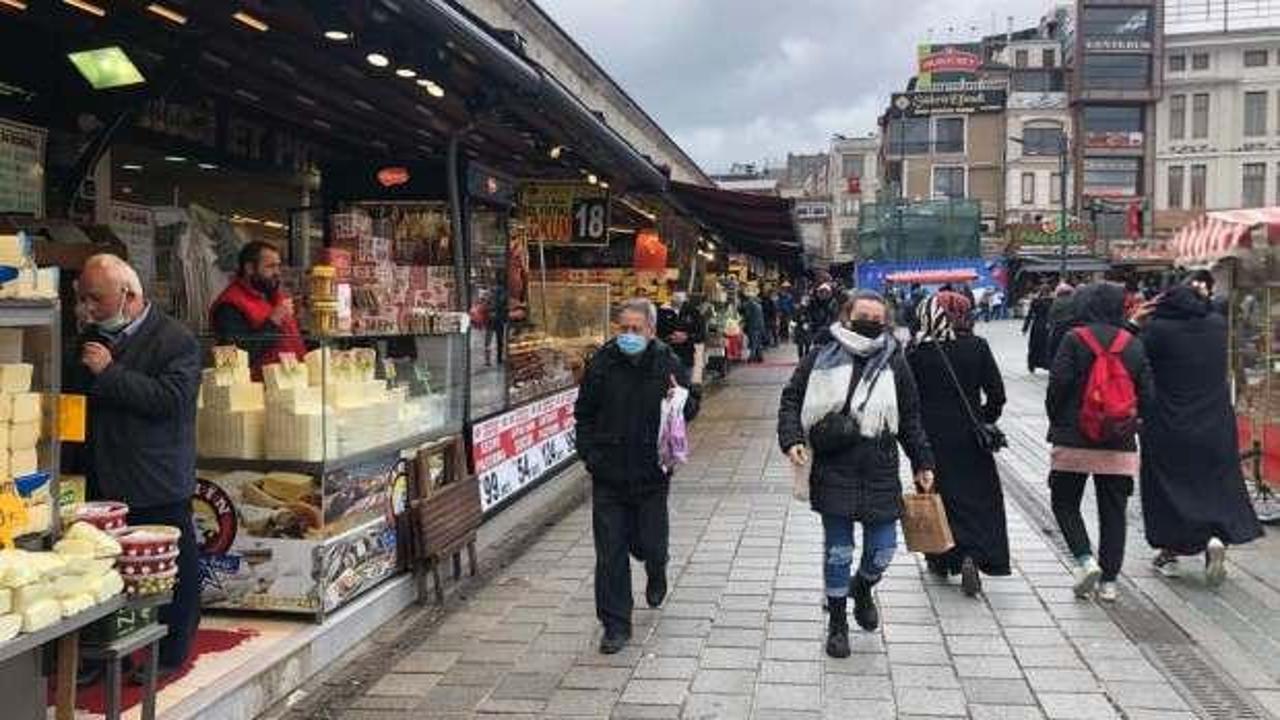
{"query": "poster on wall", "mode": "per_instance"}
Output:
(565, 213)
(515, 450)
(135, 226)
(22, 168)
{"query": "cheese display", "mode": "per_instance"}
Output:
(10, 626)
(21, 436)
(25, 407)
(81, 534)
(15, 377)
(41, 615)
(232, 414)
(6, 600)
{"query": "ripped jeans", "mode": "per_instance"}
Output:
(878, 545)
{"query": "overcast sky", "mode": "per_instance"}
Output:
(749, 80)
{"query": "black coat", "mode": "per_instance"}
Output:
(618, 414)
(1100, 307)
(1192, 486)
(687, 320)
(141, 439)
(861, 482)
(966, 474)
(819, 315)
(1041, 328)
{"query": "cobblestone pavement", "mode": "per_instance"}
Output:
(741, 635)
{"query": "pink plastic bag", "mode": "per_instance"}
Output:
(673, 440)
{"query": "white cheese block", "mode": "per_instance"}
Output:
(345, 395)
(103, 544)
(76, 604)
(74, 547)
(225, 376)
(10, 626)
(278, 376)
(319, 366)
(28, 595)
(15, 570)
(108, 586)
(23, 462)
(16, 377)
(230, 434)
(235, 398)
(6, 600)
(6, 407)
(25, 407)
(304, 400)
(295, 436)
(88, 566)
(41, 615)
(70, 586)
(20, 436)
(39, 519)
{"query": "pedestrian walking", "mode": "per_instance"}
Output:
(999, 311)
(618, 416)
(824, 309)
(1194, 498)
(801, 332)
(1062, 317)
(753, 325)
(947, 359)
(1039, 326)
(1086, 443)
(680, 326)
(852, 401)
(769, 308)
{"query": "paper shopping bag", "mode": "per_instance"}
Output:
(924, 523)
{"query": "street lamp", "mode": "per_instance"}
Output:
(1063, 152)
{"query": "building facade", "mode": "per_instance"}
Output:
(854, 179)
(806, 180)
(1218, 124)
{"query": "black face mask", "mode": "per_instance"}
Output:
(266, 286)
(867, 328)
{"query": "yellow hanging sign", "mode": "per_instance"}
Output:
(13, 517)
(72, 417)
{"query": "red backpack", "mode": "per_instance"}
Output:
(1109, 409)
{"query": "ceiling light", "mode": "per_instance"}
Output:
(604, 185)
(169, 14)
(107, 67)
(274, 225)
(377, 59)
(245, 19)
(305, 100)
(133, 167)
(362, 105)
(592, 179)
(337, 35)
(15, 4)
(405, 72)
(251, 97)
(556, 151)
(434, 90)
(86, 6)
(321, 124)
(175, 158)
(207, 166)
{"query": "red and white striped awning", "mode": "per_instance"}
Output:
(1224, 233)
(932, 277)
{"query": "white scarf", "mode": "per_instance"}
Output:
(876, 408)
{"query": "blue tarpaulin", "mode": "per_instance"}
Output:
(871, 275)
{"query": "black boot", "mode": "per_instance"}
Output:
(614, 640)
(864, 605)
(837, 628)
(655, 590)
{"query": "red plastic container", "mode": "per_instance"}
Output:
(107, 515)
(144, 541)
(141, 585)
(147, 565)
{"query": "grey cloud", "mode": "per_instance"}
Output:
(744, 80)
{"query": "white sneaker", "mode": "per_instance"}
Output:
(1215, 563)
(1166, 564)
(1086, 578)
(1107, 591)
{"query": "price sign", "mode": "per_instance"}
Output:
(560, 213)
(590, 221)
(13, 517)
(72, 411)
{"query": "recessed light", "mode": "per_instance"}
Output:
(377, 59)
(405, 72)
(604, 185)
(175, 158)
(108, 67)
(321, 124)
(167, 13)
(207, 166)
(85, 6)
(592, 179)
(434, 90)
(133, 167)
(556, 151)
(248, 20)
(337, 35)
(15, 4)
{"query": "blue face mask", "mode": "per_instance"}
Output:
(632, 343)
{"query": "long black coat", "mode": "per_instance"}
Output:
(1100, 307)
(619, 411)
(1041, 328)
(1192, 487)
(966, 474)
(686, 320)
(861, 482)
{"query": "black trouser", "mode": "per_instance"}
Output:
(625, 522)
(1066, 492)
(183, 614)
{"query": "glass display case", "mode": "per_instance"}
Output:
(30, 363)
(549, 349)
(302, 468)
(1255, 367)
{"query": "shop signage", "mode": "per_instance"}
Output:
(1046, 234)
(923, 104)
(565, 213)
(21, 168)
(1113, 140)
(1141, 251)
(135, 225)
(949, 59)
(489, 185)
(218, 127)
(516, 449)
(1038, 101)
(393, 176)
(1117, 44)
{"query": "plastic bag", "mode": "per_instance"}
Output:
(673, 440)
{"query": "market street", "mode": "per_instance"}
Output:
(741, 632)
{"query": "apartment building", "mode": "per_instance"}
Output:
(855, 178)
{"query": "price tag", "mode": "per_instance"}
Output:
(13, 517)
(72, 417)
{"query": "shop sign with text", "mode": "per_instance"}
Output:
(1046, 234)
(557, 213)
(1113, 140)
(938, 63)
(516, 449)
(1117, 44)
(923, 104)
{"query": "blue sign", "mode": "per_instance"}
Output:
(871, 275)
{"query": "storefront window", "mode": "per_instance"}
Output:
(1116, 22)
(1199, 185)
(1117, 72)
(949, 135)
(1112, 118)
(1111, 177)
(488, 310)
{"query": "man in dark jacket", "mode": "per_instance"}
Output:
(1113, 462)
(140, 370)
(1193, 493)
(680, 327)
(824, 308)
(618, 416)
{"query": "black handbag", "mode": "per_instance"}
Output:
(988, 435)
(839, 430)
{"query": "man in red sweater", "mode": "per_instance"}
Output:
(253, 313)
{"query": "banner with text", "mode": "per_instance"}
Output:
(565, 213)
(514, 450)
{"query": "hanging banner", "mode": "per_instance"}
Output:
(559, 213)
(135, 226)
(21, 168)
(924, 104)
(516, 449)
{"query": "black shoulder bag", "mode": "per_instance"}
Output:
(988, 435)
(839, 430)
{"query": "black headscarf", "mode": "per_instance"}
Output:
(1099, 303)
(1182, 302)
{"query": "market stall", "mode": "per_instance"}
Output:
(1242, 249)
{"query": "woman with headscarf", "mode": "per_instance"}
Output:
(948, 359)
(1113, 461)
(1062, 318)
(863, 377)
(1193, 494)
(1037, 323)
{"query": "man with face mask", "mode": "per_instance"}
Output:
(140, 370)
(618, 414)
(254, 313)
(680, 327)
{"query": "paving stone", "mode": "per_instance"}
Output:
(992, 691)
(894, 633)
(788, 697)
(591, 703)
(986, 666)
(791, 672)
(526, 686)
(730, 658)
(1063, 656)
(1145, 695)
(735, 637)
(469, 673)
(923, 676)
(666, 668)
(400, 705)
(544, 662)
(978, 645)
(858, 664)
(793, 649)
(849, 687)
(920, 701)
(505, 708)
(674, 646)
(1034, 636)
(1005, 712)
(918, 654)
(791, 630)
(405, 685)
(725, 682)
(716, 707)
(426, 661)
(751, 620)
(1076, 706)
(1056, 680)
(449, 698)
(595, 678)
(1125, 670)
(866, 710)
(654, 692)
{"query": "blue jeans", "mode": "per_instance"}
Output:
(878, 545)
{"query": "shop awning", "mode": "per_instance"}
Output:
(932, 277)
(1053, 265)
(1225, 233)
(760, 225)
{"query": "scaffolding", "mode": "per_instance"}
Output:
(932, 229)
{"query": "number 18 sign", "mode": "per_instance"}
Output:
(565, 213)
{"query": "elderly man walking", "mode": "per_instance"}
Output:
(618, 415)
